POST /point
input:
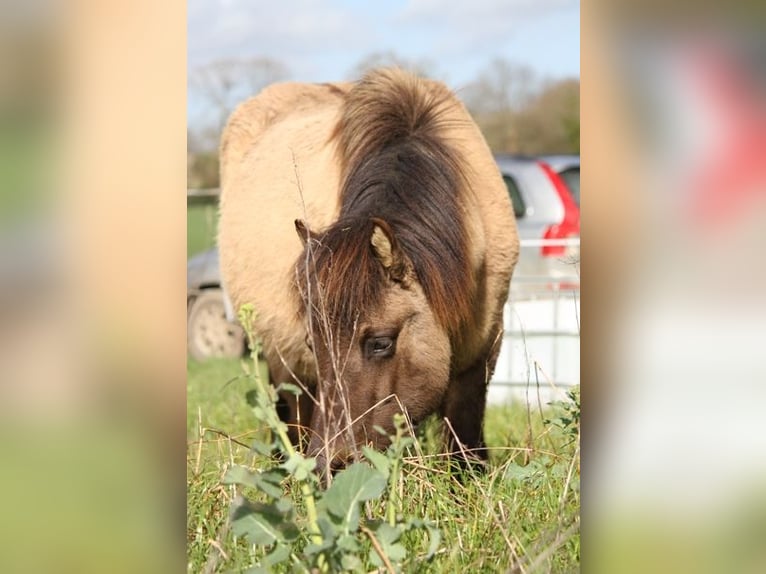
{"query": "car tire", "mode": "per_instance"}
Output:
(208, 332)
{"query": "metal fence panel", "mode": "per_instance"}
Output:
(540, 354)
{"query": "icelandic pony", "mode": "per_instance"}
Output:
(389, 298)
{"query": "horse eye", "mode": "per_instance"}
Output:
(379, 347)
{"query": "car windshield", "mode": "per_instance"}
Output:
(571, 177)
(519, 209)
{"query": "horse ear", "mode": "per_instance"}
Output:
(387, 251)
(303, 231)
(383, 246)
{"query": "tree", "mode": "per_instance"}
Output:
(215, 89)
(495, 99)
(502, 87)
(219, 86)
(202, 170)
(551, 122)
(518, 113)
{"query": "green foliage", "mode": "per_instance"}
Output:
(323, 529)
(25, 159)
(201, 228)
(255, 505)
(202, 169)
(568, 419)
(333, 536)
(356, 484)
(519, 114)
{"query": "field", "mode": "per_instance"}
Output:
(201, 224)
(25, 180)
(522, 515)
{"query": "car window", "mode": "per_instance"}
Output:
(519, 209)
(571, 177)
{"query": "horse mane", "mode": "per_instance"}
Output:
(396, 165)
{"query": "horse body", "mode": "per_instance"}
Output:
(399, 275)
(276, 166)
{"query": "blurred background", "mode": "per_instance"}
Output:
(92, 218)
(675, 303)
(95, 148)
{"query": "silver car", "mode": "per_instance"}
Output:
(568, 168)
(210, 327)
(548, 219)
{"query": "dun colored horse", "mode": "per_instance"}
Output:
(389, 298)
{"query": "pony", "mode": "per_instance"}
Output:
(369, 227)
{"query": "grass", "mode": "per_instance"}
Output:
(25, 177)
(201, 227)
(521, 516)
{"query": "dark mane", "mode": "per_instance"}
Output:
(397, 167)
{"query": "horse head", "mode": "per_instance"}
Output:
(379, 347)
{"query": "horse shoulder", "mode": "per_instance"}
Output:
(491, 227)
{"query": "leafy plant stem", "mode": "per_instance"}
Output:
(393, 479)
(246, 317)
(378, 549)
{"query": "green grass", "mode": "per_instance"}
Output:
(523, 513)
(25, 176)
(201, 227)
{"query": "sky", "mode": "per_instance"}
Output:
(323, 40)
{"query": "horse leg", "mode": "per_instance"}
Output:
(464, 408)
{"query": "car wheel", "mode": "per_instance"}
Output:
(208, 332)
